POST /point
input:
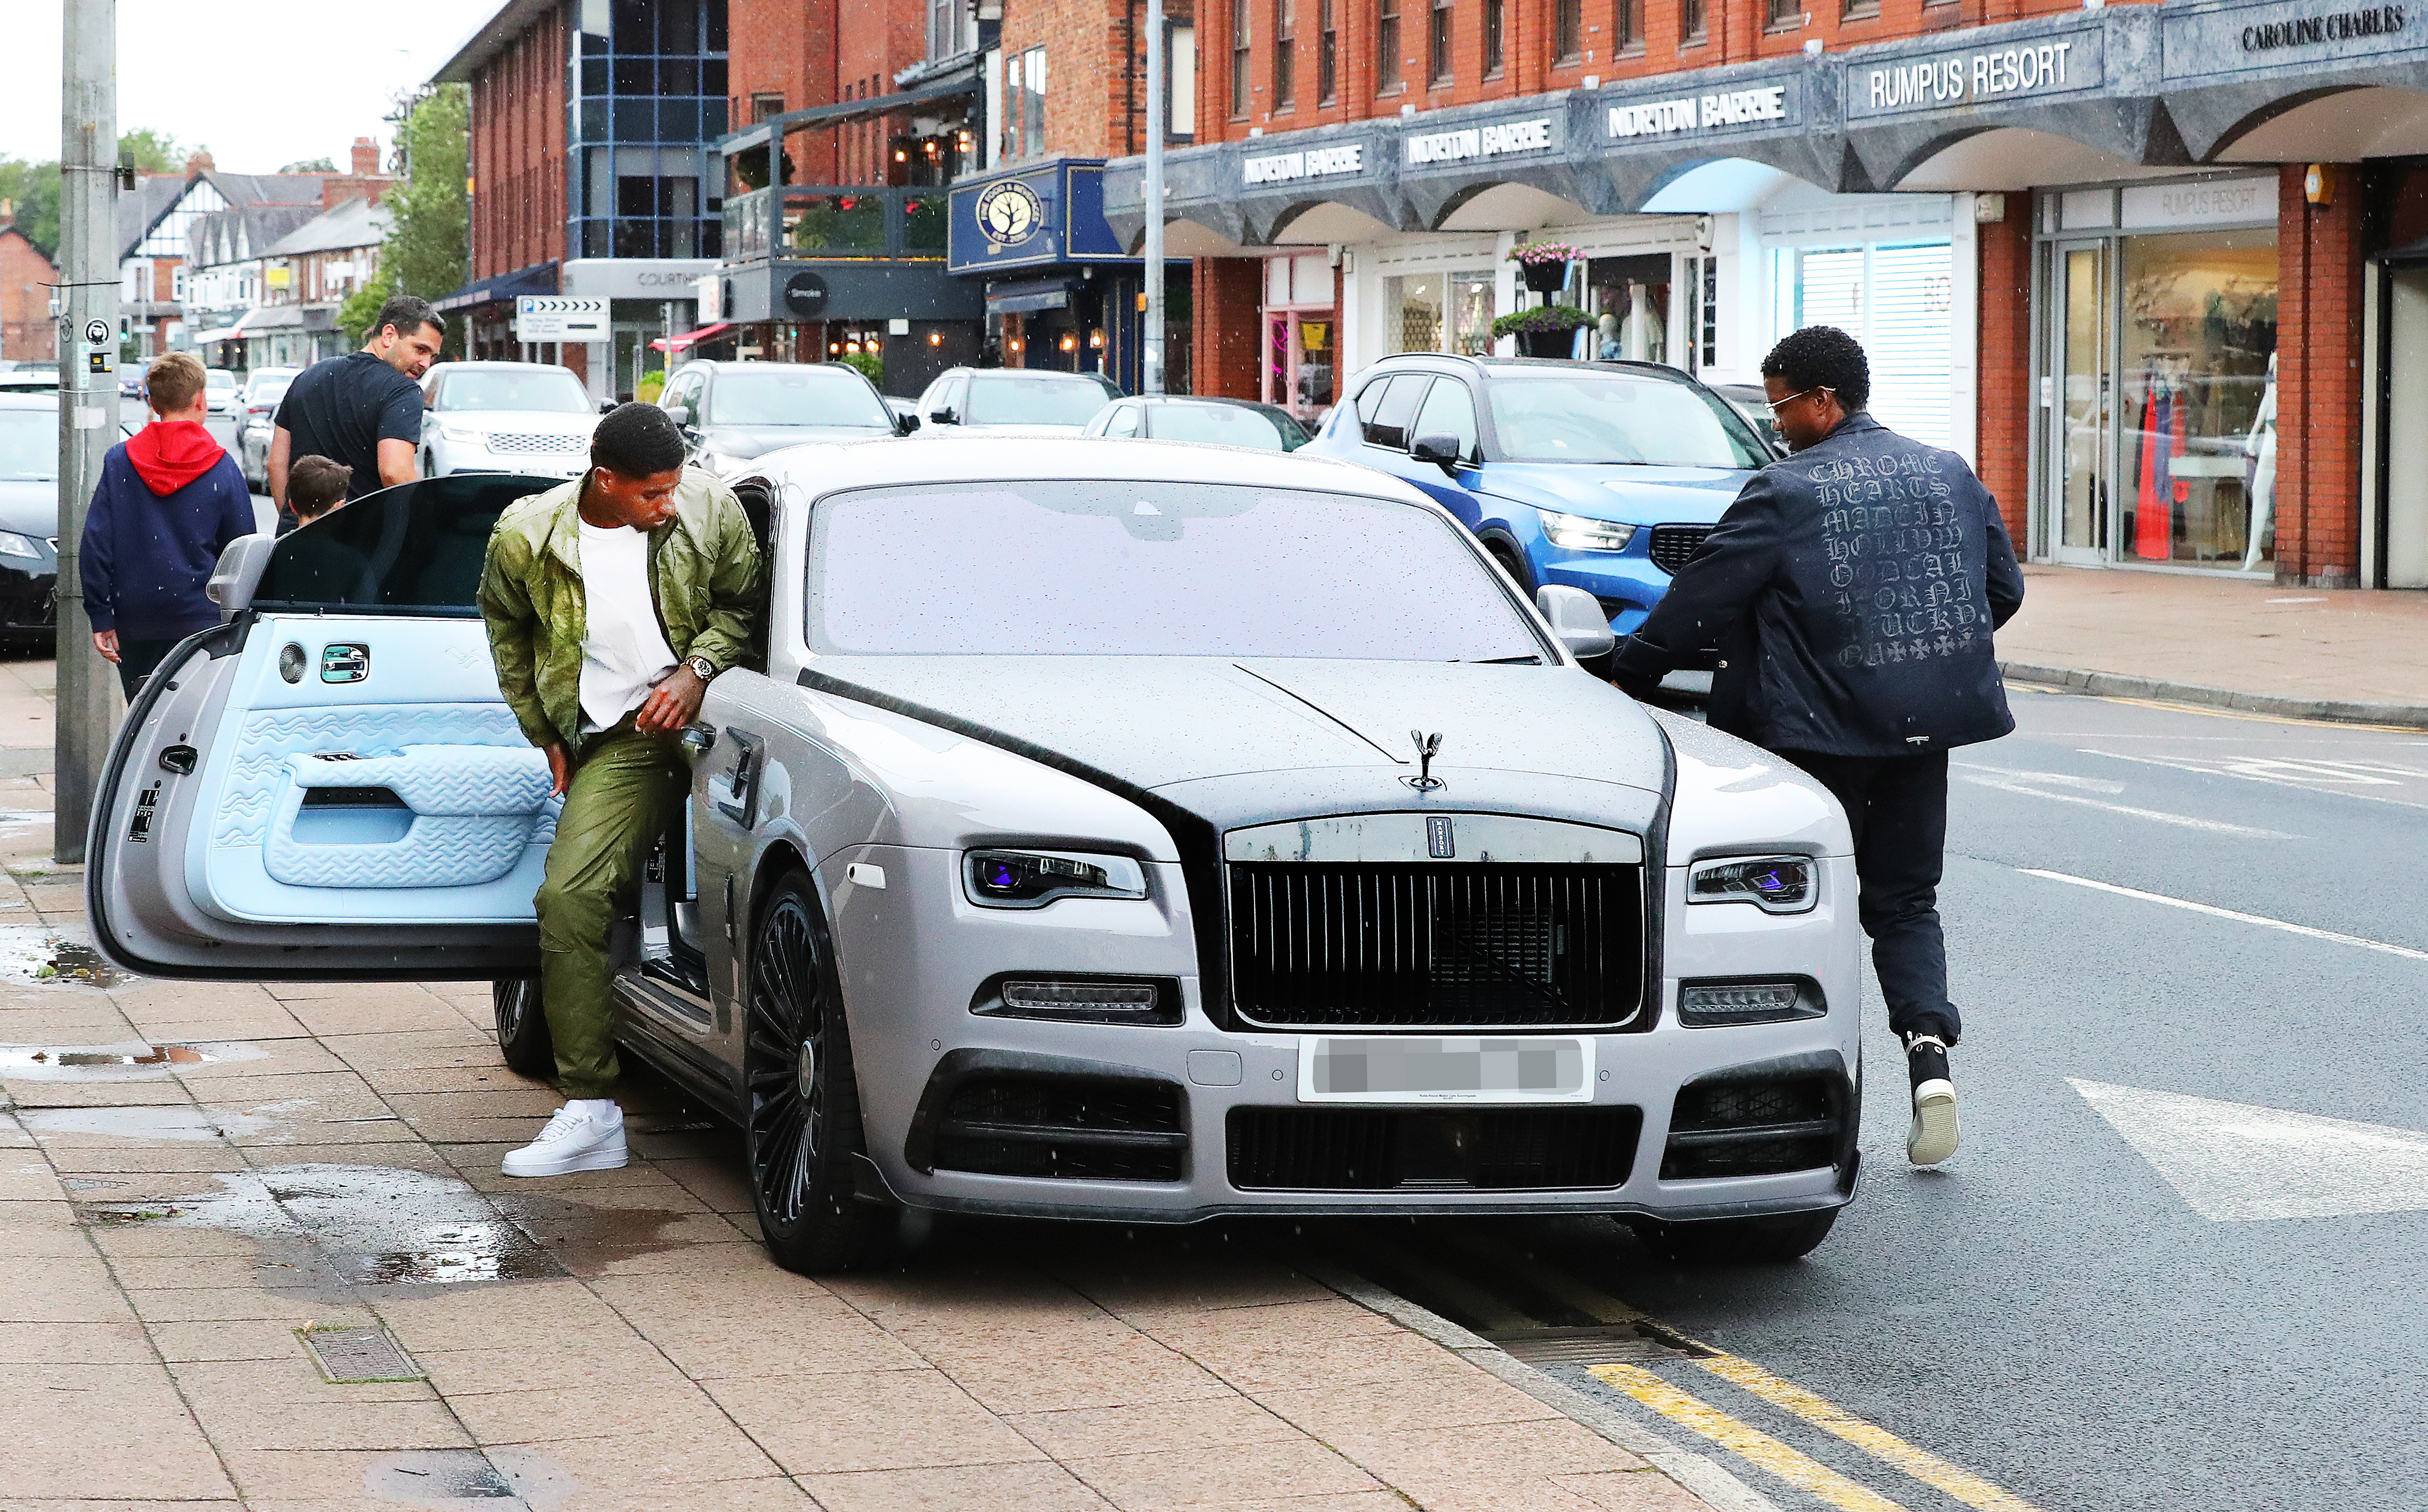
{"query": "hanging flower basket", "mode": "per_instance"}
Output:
(1544, 265)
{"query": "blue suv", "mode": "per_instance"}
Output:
(1604, 476)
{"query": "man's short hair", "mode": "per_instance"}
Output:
(636, 440)
(1823, 356)
(315, 484)
(408, 313)
(173, 381)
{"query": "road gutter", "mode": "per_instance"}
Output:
(2160, 690)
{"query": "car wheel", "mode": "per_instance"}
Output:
(801, 1125)
(522, 1028)
(1767, 1241)
(1506, 557)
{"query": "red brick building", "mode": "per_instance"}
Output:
(27, 332)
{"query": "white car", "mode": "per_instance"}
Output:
(256, 414)
(222, 386)
(505, 417)
(1098, 838)
(1012, 402)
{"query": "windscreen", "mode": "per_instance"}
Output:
(415, 549)
(551, 390)
(1573, 416)
(267, 390)
(1151, 569)
(795, 396)
(29, 445)
(1224, 425)
(217, 378)
(1038, 400)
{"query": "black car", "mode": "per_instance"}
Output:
(29, 519)
(733, 413)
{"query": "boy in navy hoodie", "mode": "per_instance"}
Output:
(169, 501)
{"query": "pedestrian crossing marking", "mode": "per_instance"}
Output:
(1744, 1439)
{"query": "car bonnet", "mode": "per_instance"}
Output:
(1629, 494)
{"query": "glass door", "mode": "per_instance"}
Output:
(2082, 429)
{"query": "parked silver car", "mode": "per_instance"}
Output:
(505, 417)
(257, 420)
(1012, 402)
(1098, 839)
(733, 413)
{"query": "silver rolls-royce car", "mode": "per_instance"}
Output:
(1128, 830)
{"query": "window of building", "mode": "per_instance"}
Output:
(1239, 40)
(1412, 310)
(1024, 103)
(651, 95)
(1627, 26)
(1857, 9)
(1327, 52)
(1386, 46)
(1285, 53)
(951, 27)
(1568, 30)
(1180, 81)
(1437, 64)
(1786, 15)
(1496, 28)
(763, 106)
(1694, 20)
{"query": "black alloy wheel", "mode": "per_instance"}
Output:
(522, 1028)
(1766, 1241)
(802, 1126)
(1510, 562)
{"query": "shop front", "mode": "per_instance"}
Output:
(1061, 293)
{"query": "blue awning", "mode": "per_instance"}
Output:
(1027, 298)
(539, 278)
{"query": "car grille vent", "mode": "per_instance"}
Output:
(1673, 543)
(1747, 1129)
(1481, 945)
(528, 441)
(1376, 1149)
(1071, 1128)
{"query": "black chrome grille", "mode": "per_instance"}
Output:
(1747, 1129)
(1374, 1149)
(1673, 543)
(1071, 1128)
(1482, 945)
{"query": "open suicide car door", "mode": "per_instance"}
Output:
(329, 786)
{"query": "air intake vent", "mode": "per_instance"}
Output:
(1368, 1149)
(1066, 1128)
(1480, 944)
(1673, 543)
(1747, 1129)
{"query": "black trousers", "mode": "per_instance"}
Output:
(1898, 808)
(137, 660)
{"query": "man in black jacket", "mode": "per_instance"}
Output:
(1851, 590)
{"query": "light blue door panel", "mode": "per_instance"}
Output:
(385, 783)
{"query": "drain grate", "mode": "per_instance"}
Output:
(356, 1356)
(1614, 1344)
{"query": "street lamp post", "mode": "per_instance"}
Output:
(87, 347)
(1152, 366)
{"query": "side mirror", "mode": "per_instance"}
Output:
(238, 574)
(606, 405)
(943, 416)
(679, 414)
(1577, 619)
(1442, 450)
(905, 424)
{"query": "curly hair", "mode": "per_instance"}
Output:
(1823, 356)
(637, 441)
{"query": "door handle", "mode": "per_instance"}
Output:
(698, 737)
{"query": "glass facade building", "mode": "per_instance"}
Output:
(650, 99)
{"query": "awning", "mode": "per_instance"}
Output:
(691, 339)
(539, 278)
(959, 82)
(246, 324)
(1028, 297)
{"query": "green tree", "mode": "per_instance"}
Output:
(33, 191)
(310, 165)
(430, 230)
(154, 152)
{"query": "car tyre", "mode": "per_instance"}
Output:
(522, 1028)
(1505, 556)
(802, 1126)
(1765, 1240)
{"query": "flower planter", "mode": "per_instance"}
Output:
(1547, 343)
(1545, 277)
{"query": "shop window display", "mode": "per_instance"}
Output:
(2196, 436)
(1413, 312)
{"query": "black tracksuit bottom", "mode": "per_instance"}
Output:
(1898, 808)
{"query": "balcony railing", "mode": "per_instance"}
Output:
(831, 221)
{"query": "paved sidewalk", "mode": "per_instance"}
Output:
(2318, 653)
(310, 1154)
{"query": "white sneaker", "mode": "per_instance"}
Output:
(577, 1138)
(1935, 1133)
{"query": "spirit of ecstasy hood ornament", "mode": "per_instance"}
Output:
(1424, 781)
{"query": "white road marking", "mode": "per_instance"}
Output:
(2087, 785)
(2311, 774)
(2234, 1162)
(2213, 911)
(2181, 820)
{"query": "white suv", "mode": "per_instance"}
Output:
(505, 417)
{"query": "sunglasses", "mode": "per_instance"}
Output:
(1775, 405)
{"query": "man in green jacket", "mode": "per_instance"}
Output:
(611, 602)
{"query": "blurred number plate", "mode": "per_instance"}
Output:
(1406, 1069)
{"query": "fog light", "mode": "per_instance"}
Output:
(1711, 1004)
(1088, 999)
(1774, 884)
(1046, 996)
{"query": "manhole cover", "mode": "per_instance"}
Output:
(1617, 1344)
(354, 1357)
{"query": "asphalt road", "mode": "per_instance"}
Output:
(2222, 1313)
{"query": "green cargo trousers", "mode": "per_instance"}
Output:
(627, 788)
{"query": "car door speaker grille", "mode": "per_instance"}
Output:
(1477, 945)
(1390, 1149)
(1673, 543)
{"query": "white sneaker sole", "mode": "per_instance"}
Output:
(612, 1158)
(1935, 1132)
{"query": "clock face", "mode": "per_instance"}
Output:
(1010, 213)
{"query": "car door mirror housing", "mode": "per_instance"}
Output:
(607, 406)
(679, 414)
(905, 424)
(239, 573)
(943, 416)
(1577, 619)
(1442, 450)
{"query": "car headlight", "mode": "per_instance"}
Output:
(12, 544)
(462, 436)
(1080, 997)
(1774, 884)
(1574, 533)
(1032, 879)
(1703, 1004)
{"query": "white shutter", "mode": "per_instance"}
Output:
(1907, 341)
(1829, 290)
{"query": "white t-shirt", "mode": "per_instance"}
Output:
(624, 653)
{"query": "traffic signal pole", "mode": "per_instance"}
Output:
(87, 692)
(1151, 366)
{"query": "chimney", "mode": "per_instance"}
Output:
(198, 163)
(8, 213)
(366, 157)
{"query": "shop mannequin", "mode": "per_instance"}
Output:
(2261, 446)
(1606, 346)
(1636, 334)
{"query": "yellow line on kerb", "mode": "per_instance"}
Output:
(1921, 1464)
(1755, 1447)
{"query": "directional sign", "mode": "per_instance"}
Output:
(2234, 1162)
(555, 318)
(96, 332)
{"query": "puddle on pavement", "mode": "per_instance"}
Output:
(116, 1062)
(502, 1478)
(40, 955)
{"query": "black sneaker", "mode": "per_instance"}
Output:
(1934, 1135)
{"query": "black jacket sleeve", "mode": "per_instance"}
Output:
(2006, 579)
(1716, 590)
